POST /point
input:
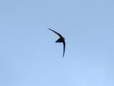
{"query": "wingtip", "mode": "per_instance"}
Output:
(49, 28)
(63, 55)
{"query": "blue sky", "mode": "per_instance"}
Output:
(29, 55)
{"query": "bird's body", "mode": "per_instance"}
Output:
(60, 40)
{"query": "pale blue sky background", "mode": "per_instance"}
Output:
(30, 57)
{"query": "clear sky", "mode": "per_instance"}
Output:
(29, 55)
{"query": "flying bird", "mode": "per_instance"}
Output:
(60, 40)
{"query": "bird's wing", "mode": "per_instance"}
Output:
(64, 46)
(56, 33)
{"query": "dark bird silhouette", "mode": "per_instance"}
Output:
(60, 40)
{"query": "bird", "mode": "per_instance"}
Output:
(60, 40)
